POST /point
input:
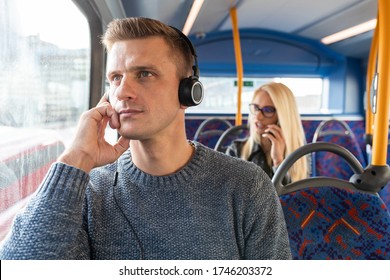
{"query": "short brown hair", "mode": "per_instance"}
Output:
(139, 27)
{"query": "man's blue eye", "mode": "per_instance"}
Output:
(144, 74)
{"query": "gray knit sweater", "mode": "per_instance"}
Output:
(216, 207)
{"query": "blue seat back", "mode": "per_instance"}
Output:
(332, 223)
(329, 164)
(385, 192)
(210, 130)
(233, 133)
(385, 195)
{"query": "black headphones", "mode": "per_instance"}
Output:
(190, 89)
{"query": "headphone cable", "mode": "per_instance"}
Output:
(139, 243)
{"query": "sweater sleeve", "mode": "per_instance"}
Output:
(266, 234)
(51, 225)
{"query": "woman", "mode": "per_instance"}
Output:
(275, 131)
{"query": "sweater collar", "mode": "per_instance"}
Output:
(183, 176)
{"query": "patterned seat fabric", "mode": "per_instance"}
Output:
(385, 192)
(211, 130)
(332, 165)
(233, 133)
(330, 223)
(385, 195)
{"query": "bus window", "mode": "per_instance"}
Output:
(44, 74)
(221, 94)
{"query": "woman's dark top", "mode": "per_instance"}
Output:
(257, 156)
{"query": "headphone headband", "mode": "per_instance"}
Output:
(192, 49)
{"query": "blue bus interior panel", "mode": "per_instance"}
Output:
(268, 53)
(265, 52)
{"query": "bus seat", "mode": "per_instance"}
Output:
(233, 133)
(332, 223)
(210, 130)
(331, 218)
(385, 195)
(385, 192)
(329, 164)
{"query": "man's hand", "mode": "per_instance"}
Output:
(89, 149)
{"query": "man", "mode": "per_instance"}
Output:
(155, 195)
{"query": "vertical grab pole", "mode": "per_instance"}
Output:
(371, 70)
(237, 51)
(377, 173)
(381, 120)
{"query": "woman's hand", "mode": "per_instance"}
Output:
(278, 144)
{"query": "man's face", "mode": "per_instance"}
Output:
(144, 87)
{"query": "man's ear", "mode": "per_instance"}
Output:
(183, 106)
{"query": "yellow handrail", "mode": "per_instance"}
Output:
(381, 120)
(237, 51)
(371, 69)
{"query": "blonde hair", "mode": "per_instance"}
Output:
(290, 123)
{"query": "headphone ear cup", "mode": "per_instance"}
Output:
(190, 91)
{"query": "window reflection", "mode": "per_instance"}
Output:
(44, 87)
